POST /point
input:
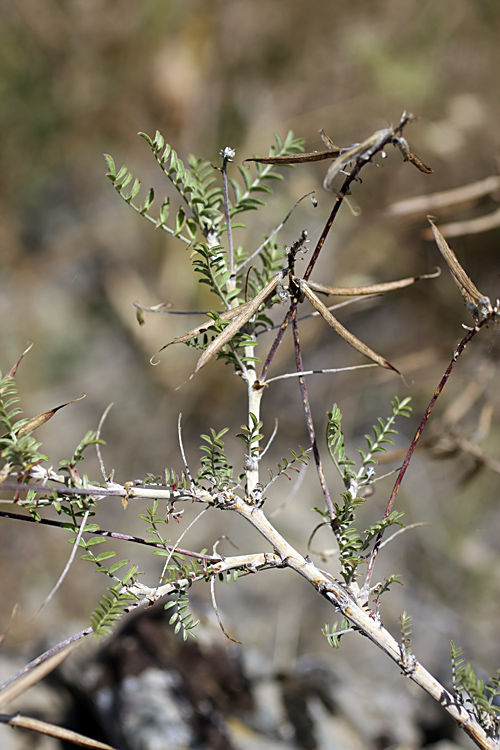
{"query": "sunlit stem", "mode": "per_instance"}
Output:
(254, 400)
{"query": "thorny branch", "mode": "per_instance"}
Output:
(247, 502)
(458, 351)
(284, 555)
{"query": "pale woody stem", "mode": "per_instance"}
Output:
(345, 601)
(254, 401)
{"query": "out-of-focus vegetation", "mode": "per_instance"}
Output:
(81, 78)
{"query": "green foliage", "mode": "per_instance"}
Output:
(302, 458)
(196, 186)
(336, 446)
(335, 633)
(180, 570)
(234, 276)
(486, 713)
(181, 618)
(271, 258)
(90, 555)
(354, 480)
(183, 227)
(214, 464)
(18, 450)
(211, 264)
(235, 352)
(382, 433)
(170, 478)
(68, 466)
(353, 546)
(474, 693)
(231, 576)
(117, 599)
(493, 690)
(90, 439)
(151, 517)
(9, 398)
(245, 199)
(88, 545)
(375, 529)
(200, 222)
(380, 588)
(112, 606)
(456, 664)
(406, 631)
(251, 436)
(75, 506)
(348, 539)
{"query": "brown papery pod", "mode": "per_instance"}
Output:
(13, 369)
(479, 305)
(40, 419)
(343, 332)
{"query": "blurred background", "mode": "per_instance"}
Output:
(79, 79)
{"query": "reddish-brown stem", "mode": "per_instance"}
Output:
(456, 354)
(312, 262)
(111, 534)
(293, 306)
(276, 343)
(324, 234)
(309, 419)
